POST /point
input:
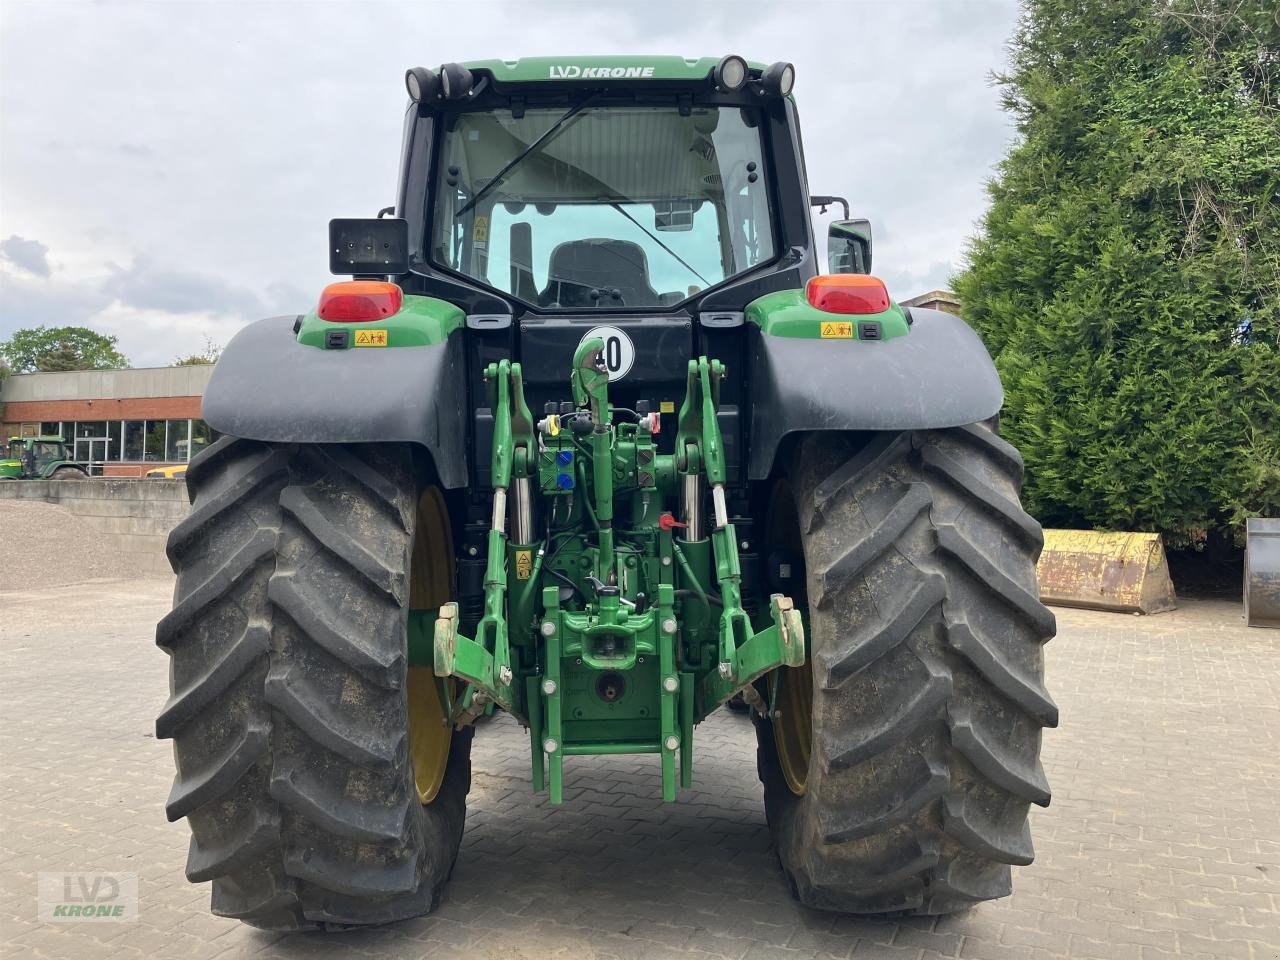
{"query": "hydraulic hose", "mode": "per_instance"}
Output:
(693, 582)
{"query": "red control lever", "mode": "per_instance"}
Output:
(668, 522)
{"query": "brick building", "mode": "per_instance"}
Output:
(121, 422)
(936, 300)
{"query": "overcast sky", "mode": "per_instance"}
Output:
(167, 170)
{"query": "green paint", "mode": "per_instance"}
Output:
(421, 321)
(421, 632)
(788, 313)
(51, 455)
(586, 69)
(604, 637)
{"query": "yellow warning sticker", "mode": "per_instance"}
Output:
(480, 232)
(837, 330)
(667, 406)
(370, 338)
(524, 564)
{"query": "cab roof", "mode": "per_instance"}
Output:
(530, 69)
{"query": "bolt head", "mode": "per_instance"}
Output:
(666, 561)
(670, 684)
(671, 742)
(548, 687)
(548, 628)
(669, 625)
(549, 745)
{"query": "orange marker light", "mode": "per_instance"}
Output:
(359, 301)
(848, 293)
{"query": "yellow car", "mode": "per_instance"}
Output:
(176, 472)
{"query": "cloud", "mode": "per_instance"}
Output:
(157, 313)
(147, 286)
(155, 338)
(205, 200)
(30, 301)
(30, 255)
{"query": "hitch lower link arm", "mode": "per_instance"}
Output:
(744, 655)
(484, 663)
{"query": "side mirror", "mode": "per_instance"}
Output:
(369, 247)
(849, 246)
(673, 215)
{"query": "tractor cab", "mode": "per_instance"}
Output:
(38, 458)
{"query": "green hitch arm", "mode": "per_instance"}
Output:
(709, 374)
(591, 383)
(779, 645)
(735, 625)
(744, 655)
(522, 428)
(485, 662)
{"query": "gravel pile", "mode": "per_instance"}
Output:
(45, 545)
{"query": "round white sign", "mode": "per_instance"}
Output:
(619, 351)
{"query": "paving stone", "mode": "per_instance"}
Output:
(1161, 842)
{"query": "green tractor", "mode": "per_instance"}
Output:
(590, 437)
(40, 458)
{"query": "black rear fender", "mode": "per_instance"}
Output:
(939, 375)
(268, 386)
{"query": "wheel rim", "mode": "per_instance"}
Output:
(793, 724)
(791, 688)
(430, 586)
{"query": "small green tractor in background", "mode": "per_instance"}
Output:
(40, 458)
(590, 437)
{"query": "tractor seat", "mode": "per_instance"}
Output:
(579, 266)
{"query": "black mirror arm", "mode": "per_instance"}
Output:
(825, 202)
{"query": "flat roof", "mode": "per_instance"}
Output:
(140, 382)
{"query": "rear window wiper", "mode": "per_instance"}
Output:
(519, 158)
(658, 240)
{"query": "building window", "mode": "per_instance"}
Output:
(152, 441)
(178, 442)
(154, 444)
(134, 432)
(201, 436)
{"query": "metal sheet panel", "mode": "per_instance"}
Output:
(1262, 572)
(1124, 572)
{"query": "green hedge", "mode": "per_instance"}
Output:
(1127, 275)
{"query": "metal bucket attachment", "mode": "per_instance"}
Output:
(1124, 572)
(1262, 572)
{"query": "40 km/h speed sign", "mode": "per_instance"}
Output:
(619, 351)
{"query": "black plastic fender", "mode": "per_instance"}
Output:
(267, 386)
(939, 375)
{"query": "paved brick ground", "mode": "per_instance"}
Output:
(1163, 838)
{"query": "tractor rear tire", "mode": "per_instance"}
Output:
(68, 473)
(925, 701)
(289, 710)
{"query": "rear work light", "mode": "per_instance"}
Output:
(359, 301)
(848, 293)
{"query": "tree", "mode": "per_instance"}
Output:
(61, 348)
(1127, 274)
(210, 354)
